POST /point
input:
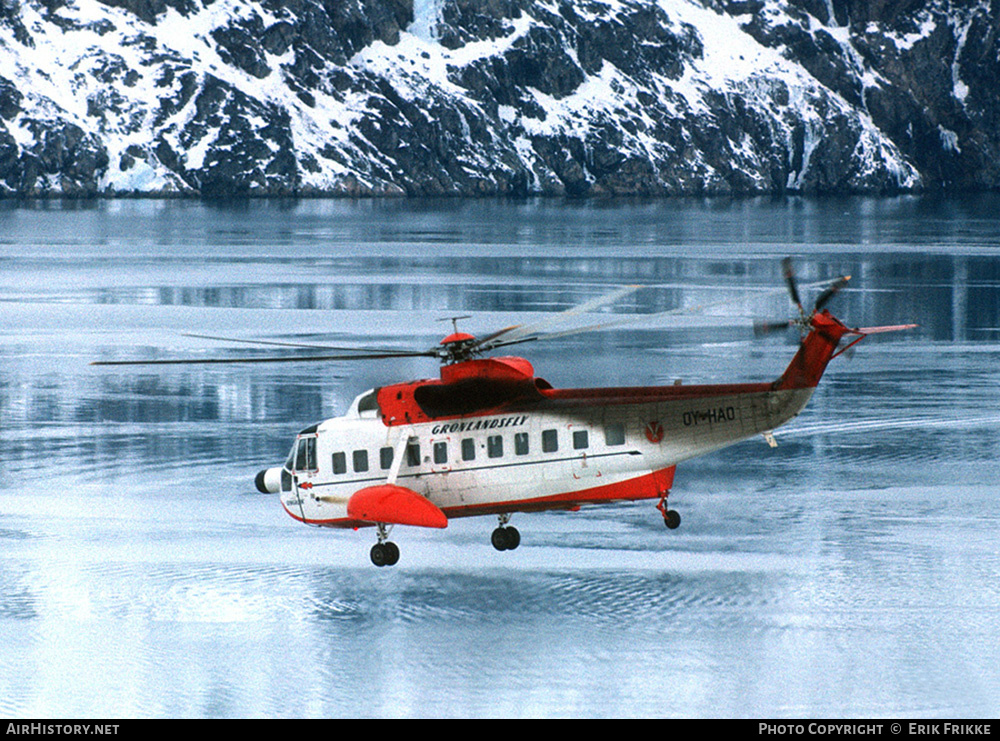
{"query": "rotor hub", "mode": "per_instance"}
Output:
(457, 337)
(457, 347)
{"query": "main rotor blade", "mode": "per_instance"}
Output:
(303, 345)
(488, 339)
(522, 333)
(285, 359)
(632, 320)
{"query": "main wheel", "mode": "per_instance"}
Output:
(385, 554)
(505, 538)
(672, 519)
(393, 552)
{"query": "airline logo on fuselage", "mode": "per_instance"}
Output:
(495, 423)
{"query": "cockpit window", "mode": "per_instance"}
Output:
(368, 402)
(305, 456)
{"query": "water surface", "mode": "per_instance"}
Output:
(851, 572)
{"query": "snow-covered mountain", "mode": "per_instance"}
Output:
(477, 97)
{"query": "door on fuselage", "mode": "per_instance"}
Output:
(452, 470)
(304, 466)
(583, 465)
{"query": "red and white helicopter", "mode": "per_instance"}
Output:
(488, 437)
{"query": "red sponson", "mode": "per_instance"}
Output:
(394, 505)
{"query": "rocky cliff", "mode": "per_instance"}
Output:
(482, 97)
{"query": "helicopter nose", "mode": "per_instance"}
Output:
(268, 481)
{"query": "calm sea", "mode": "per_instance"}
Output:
(850, 572)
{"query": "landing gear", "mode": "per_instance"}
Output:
(385, 552)
(671, 517)
(505, 538)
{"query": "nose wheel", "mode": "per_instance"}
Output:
(505, 538)
(385, 552)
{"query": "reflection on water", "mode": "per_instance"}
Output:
(952, 297)
(854, 566)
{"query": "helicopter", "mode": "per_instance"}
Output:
(489, 437)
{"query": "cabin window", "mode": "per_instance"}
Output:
(550, 441)
(614, 434)
(413, 454)
(521, 443)
(305, 459)
(340, 462)
(360, 461)
(441, 452)
(494, 446)
(469, 449)
(581, 439)
(385, 458)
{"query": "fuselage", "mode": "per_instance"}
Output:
(567, 448)
(490, 437)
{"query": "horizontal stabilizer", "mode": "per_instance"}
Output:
(878, 330)
(395, 505)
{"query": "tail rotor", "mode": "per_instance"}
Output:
(804, 319)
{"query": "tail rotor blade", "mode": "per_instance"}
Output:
(762, 329)
(793, 289)
(824, 298)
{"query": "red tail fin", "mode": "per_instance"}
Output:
(820, 347)
(816, 351)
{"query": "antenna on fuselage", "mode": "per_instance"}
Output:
(454, 321)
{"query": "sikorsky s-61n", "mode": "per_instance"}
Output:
(489, 437)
